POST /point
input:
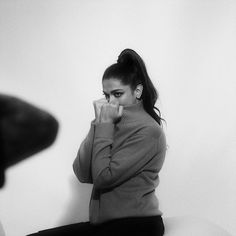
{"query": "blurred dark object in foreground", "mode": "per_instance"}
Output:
(24, 131)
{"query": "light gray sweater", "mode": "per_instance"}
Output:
(122, 161)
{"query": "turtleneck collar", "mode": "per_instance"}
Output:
(131, 112)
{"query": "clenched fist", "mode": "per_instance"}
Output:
(107, 112)
(97, 107)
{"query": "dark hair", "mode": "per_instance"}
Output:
(131, 70)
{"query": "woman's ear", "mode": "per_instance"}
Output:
(138, 91)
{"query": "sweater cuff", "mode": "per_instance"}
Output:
(104, 130)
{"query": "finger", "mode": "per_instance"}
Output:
(95, 108)
(120, 111)
(102, 111)
(114, 102)
(94, 102)
(101, 101)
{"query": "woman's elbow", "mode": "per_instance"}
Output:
(84, 180)
(81, 177)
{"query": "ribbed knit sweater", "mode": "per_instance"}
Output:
(122, 161)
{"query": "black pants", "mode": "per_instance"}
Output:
(137, 226)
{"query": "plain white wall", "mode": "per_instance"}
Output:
(53, 54)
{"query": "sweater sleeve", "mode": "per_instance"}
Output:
(113, 168)
(82, 162)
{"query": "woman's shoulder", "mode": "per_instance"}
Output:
(149, 127)
(142, 124)
(152, 130)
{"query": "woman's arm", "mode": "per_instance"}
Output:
(112, 168)
(82, 162)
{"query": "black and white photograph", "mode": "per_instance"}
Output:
(117, 117)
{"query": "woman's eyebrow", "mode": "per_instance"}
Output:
(114, 91)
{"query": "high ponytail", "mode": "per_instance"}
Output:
(131, 70)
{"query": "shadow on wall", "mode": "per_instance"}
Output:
(78, 206)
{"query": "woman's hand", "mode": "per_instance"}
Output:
(107, 112)
(97, 107)
(110, 112)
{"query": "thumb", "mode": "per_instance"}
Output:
(120, 111)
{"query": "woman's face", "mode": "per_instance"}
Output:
(115, 90)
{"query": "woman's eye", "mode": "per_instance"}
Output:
(117, 95)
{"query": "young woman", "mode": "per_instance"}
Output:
(122, 155)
